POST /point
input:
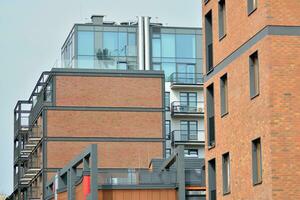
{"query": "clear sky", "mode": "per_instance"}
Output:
(32, 33)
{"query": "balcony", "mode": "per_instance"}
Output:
(187, 109)
(190, 137)
(21, 117)
(186, 80)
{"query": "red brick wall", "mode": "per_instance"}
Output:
(241, 27)
(104, 124)
(110, 154)
(108, 91)
(285, 117)
(247, 120)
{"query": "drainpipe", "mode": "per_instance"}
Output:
(141, 54)
(147, 42)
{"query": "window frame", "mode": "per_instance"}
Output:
(224, 95)
(167, 107)
(222, 15)
(211, 135)
(226, 173)
(257, 171)
(168, 136)
(253, 6)
(254, 75)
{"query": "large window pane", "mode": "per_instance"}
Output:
(168, 45)
(169, 68)
(86, 62)
(185, 46)
(131, 44)
(85, 43)
(122, 44)
(110, 43)
(156, 47)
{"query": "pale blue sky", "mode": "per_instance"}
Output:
(31, 35)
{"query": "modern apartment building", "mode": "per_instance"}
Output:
(111, 92)
(252, 74)
(143, 45)
(70, 109)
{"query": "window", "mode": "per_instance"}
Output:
(212, 180)
(185, 46)
(85, 49)
(226, 173)
(188, 130)
(188, 102)
(224, 94)
(191, 152)
(256, 162)
(168, 153)
(167, 129)
(85, 43)
(131, 44)
(210, 115)
(167, 101)
(168, 45)
(156, 47)
(156, 66)
(168, 68)
(209, 41)
(222, 19)
(254, 74)
(252, 5)
(110, 43)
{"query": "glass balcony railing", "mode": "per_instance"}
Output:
(187, 136)
(136, 177)
(178, 78)
(187, 107)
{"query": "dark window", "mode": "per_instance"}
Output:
(191, 152)
(222, 19)
(210, 115)
(168, 129)
(209, 41)
(167, 100)
(252, 5)
(256, 162)
(254, 74)
(212, 194)
(168, 153)
(226, 173)
(224, 94)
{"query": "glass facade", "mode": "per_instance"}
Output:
(115, 47)
(176, 53)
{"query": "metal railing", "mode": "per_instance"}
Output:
(188, 107)
(186, 78)
(187, 135)
(137, 177)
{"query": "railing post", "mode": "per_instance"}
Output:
(180, 172)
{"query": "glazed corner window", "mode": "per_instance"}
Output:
(224, 94)
(254, 74)
(222, 19)
(256, 161)
(252, 5)
(226, 173)
(167, 101)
